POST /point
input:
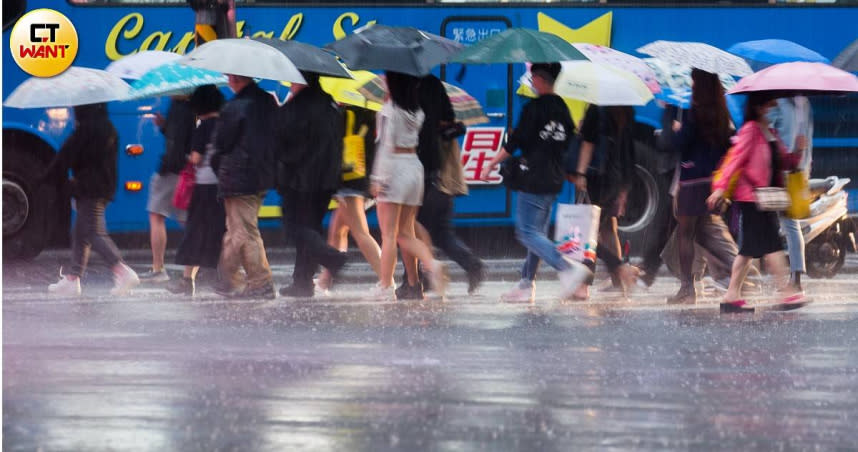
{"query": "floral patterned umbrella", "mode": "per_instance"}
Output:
(620, 60)
(698, 55)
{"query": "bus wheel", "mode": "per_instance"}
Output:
(642, 204)
(26, 207)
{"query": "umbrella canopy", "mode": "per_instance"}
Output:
(675, 81)
(173, 79)
(848, 58)
(519, 45)
(345, 90)
(774, 51)
(308, 58)
(466, 108)
(135, 65)
(598, 84)
(620, 60)
(790, 79)
(698, 55)
(244, 57)
(75, 86)
(400, 49)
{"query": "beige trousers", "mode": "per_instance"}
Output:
(242, 244)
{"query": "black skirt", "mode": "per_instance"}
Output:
(759, 231)
(204, 229)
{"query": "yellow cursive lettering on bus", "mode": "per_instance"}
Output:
(263, 34)
(162, 37)
(111, 45)
(292, 26)
(239, 29)
(339, 31)
(182, 47)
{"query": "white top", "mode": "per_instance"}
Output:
(395, 128)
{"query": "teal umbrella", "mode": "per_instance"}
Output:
(173, 79)
(519, 45)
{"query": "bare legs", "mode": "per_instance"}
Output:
(350, 219)
(398, 228)
(776, 263)
(157, 240)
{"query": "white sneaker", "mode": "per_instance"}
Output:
(379, 293)
(124, 280)
(439, 278)
(66, 287)
(572, 278)
(520, 293)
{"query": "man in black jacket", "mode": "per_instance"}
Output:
(543, 133)
(244, 162)
(309, 138)
(177, 128)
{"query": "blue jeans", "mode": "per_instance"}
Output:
(795, 244)
(532, 219)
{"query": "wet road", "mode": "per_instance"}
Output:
(152, 373)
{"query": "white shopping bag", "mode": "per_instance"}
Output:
(576, 231)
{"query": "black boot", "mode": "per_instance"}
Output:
(409, 292)
(686, 294)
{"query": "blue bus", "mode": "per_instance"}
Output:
(39, 216)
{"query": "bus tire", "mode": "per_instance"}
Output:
(647, 200)
(27, 206)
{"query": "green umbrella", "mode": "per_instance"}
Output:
(519, 45)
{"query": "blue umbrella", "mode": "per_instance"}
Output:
(774, 51)
(735, 103)
(173, 79)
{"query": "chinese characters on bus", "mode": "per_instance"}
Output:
(480, 145)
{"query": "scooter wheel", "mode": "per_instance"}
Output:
(825, 255)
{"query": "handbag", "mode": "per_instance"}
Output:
(692, 195)
(354, 150)
(799, 194)
(451, 179)
(576, 230)
(772, 199)
(185, 187)
(512, 171)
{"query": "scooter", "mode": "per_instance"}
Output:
(828, 232)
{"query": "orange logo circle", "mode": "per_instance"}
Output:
(44, 42)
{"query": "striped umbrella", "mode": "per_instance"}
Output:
(468, 111)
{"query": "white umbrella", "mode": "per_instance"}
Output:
(75, 86)
(244, 57)
(599, 84)
(698, 55)
(135, 65)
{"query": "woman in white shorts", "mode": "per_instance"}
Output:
(397, 183)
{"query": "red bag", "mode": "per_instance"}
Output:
(185, 187)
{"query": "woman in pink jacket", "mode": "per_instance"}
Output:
(760, 159)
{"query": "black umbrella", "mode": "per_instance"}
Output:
(848, 58)
(400, 49)
(308, 58)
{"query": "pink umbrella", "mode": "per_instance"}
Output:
(799, 78)
(606, 55)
